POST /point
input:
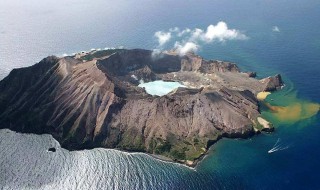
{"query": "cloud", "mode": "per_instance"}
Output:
(183, 32)
(163, 37)
(221, 32)
(156, 54)
(191, 39)
(197, 34)
(175, 29)
(275, 29)
(182, 49)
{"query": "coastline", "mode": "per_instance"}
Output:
(192, 165)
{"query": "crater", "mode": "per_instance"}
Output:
(160, 87)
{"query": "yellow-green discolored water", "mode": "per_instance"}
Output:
(285, 108)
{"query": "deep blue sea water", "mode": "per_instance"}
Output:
(31, 30)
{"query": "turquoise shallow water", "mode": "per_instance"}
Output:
(32, 30)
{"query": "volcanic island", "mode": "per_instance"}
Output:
(94, 99)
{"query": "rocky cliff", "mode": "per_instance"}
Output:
(93, 100)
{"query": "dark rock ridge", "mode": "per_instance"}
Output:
(93, 100)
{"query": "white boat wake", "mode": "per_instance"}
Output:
(278, 146)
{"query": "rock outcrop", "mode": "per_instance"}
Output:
(272, 83)
(93, 100)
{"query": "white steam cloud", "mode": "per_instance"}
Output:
(222, 33)
(190, 39)
(182, 49)
(275, 29)
(163, 37)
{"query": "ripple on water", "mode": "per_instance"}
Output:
(26, 163)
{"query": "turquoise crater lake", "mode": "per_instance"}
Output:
(160, 87)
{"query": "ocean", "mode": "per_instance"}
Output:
(282, 37)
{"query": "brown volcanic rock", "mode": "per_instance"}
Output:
(192, 62)
(251, 74)
(97, 103)
(272, 83)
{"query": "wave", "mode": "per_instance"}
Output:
(278, 146)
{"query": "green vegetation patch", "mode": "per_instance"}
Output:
(178, 154)
(187, 149)
(132, 141)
